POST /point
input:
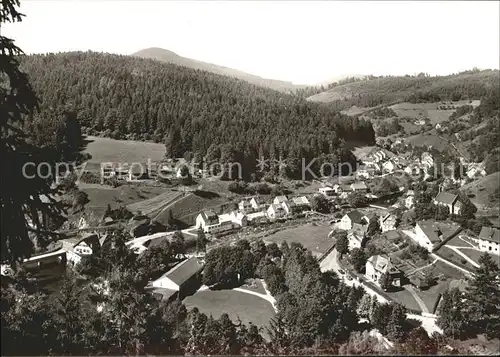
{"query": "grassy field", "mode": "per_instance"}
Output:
(187, 208)
(476, 254)
(429, 110)
(100, 196)
(248, 308)
(479, 191)
(441, 268)
(124, 151)
(313, 236)
(154, 204)
(431, 295)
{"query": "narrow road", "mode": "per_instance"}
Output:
(417, 298)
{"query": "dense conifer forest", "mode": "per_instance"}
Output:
(189, 110)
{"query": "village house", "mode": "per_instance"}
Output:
(302, 203)
(237, 218)
(80, 246)
(410, 199)
(426, 160)
(245, 205)
(364, 173)
(449, 200)
(475, 169)
(181, 280)
(290, 207)
(257, 218)
(429, 233)
(388, 222)
(350, 219)
(257, 203)
(276, 211)
(388, 166)
(210, 222)
(359, 187)
(279, 200)
(327, 191)
(380, 264)
(357, 235)
(489, 240)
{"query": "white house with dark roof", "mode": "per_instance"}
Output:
(326, 191)
(178, 279)
(380, 264)
(276, 211)
(210, 222)
(429, 233)
(357, 235)
(350, 218)
(245, 205)
(450, 201)
(80, 246)
(290, 207)
(489, 240)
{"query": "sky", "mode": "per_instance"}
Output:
(304, 42)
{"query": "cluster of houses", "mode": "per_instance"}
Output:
(343, 190)
(252, 211)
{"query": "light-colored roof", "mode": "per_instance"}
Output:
(281, 199)
(180, 273)
(276, 207)
(254, 215)
(490, 234)
(300, 201)
(379, 262)
(359, 186)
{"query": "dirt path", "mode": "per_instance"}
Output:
(417, 298)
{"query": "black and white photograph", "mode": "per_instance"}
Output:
(257, 178)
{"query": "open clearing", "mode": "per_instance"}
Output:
(480, 190)
(100, 196)
(429, 110)
(122, 151)
(313, 236)
(405, 298)
(187, 208)
(155, 204)
(475, 254)
(248, 308)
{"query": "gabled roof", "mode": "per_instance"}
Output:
(355, 216)
(438, 231)
(281, 199)
(379, 262)
(301, 201)
(257, 199)
(276, 207)
(446, 198)
(359, 229)
(359, 186)
(490, 234)
(180, 273)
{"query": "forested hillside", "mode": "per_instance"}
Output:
(207, 114)
(163, 55)
(372, 91)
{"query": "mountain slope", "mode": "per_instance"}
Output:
(373, 91)
(163, 55)
(209, 115)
